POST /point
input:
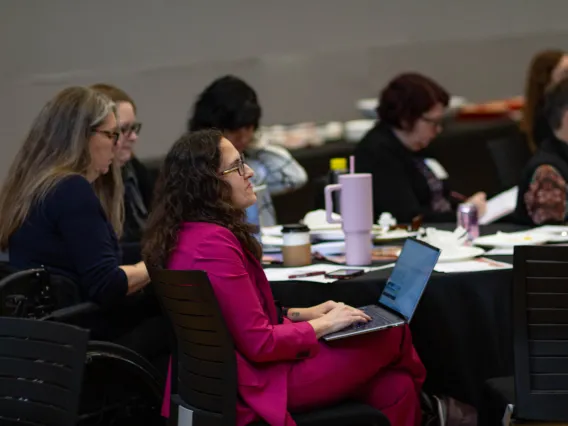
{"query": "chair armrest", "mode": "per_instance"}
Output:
(72, 313)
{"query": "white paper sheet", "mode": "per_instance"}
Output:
(501, 251)
(499, 206)
(283, 274)
(474, 265)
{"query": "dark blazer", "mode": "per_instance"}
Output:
(144, 181)
(553, 152)
(398, 185)
(68, 233)
(134, 219)
(541, 128)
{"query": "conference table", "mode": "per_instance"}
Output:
(461, 328)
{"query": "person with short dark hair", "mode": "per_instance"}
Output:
(542, 190)
(230, 105)
(405, 183)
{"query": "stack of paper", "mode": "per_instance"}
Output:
(474, 265)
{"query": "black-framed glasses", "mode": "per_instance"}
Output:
(239, 167)
(127, 129)
(112, 135)
(433, 121)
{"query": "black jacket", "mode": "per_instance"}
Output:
(133, 219)
(398, 185)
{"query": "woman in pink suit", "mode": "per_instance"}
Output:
(198, 223)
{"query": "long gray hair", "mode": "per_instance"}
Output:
(57, 146)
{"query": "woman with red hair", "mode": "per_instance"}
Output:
(405, 184)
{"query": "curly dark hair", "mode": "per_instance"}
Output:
(228, 103)
(407, 97)
(189, 189)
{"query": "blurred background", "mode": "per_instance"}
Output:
(308, 60)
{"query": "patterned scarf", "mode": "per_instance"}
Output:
(438, 202)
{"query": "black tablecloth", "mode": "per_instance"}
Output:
(461, 329)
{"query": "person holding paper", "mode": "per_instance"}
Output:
(198, 223)
(405, 183)
(543, 186)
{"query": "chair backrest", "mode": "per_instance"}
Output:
(510, 155)
(540, 331)
(34, 293)
(204, 372)
(41, 369)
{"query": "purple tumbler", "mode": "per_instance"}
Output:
(356, 206)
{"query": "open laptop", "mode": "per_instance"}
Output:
(402, 291)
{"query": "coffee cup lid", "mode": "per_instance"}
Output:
(295, 228)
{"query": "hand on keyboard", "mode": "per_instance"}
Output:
(343, 316)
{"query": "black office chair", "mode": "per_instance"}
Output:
(204, 370)
(119, 386)
(540, 332)
(41, 370)
(510, 155)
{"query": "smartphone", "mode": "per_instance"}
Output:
(345, 274)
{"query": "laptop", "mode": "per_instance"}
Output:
(402, 292)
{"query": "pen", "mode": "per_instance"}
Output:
(307, 274)
(458, 196)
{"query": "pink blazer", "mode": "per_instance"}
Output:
(265, 349)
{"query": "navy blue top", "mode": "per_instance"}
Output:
(68, 233)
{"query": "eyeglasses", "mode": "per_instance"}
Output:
(113, 136)
(433, 121)
(127, 129)
(239, 167)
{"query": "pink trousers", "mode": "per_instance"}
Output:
(381, 369)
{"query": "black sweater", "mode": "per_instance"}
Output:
(398, 185)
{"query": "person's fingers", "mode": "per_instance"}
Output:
(361, 313)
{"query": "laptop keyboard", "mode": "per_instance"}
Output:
(376, 319)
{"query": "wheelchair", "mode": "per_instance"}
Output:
(120, 387)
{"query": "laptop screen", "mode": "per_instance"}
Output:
(409, 277)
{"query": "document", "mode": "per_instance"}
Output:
(474, 265)
(500, 206)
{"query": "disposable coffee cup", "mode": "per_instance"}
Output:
(296, 245)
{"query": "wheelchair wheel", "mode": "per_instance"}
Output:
(120, 387)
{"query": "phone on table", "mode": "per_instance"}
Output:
(345, 274)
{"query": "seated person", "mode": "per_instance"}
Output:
(411, 109)
(137, 184)
(231, 105)
(547, 67)
(62, 210)
(281, 364)
(542, 190)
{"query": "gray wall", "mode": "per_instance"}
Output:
(309, 59)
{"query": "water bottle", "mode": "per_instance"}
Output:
(337, 167)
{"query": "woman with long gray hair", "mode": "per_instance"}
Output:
(61, 206)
